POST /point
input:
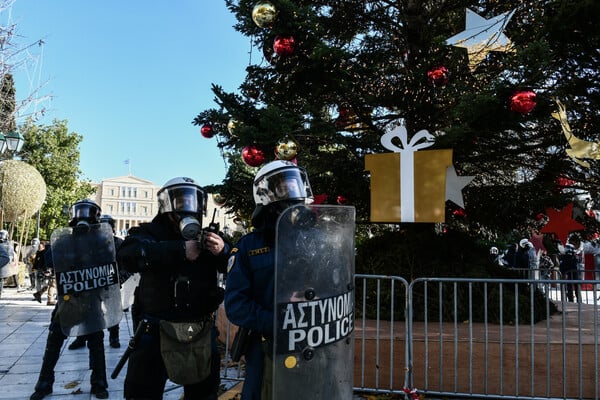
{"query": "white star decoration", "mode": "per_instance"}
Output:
(482, 36)
(454, 185)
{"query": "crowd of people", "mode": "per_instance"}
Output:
(174, 303)
(547, 257)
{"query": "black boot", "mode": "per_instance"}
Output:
(44, 384)
(113, 337)
(42, 389)
(78, 343)
(98, 380)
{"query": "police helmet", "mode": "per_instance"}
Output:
(3, 235)
(183, 196)
(84, 211)
(493, 250)
(524, 243)
(108, 219)
(35, 241)
(569, 248)
(281, 180)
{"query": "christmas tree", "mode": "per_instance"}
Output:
(511, 87)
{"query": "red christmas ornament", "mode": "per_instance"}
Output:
(438, 76)
(320, 198)
(253, 155)
(459, 212)
(207, 131)
(523, 101)
(341, 200)
(284, 45)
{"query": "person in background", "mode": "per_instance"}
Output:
(249, 293)
(9, 270)
(45, 271)
(82, 212)
(29, 258)
(178, 262)
(4, 260)
(568, 268)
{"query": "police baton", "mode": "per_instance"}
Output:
(130, 346)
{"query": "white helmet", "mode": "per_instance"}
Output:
(525, 243)
(493, 250)
(182, 195)
(281, 180)
(3, 235)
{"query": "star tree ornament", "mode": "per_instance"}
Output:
(579, 148)
(561, 223)
(263, 14)
(482, 36)
(454, 186)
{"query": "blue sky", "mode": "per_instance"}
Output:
(129, 76)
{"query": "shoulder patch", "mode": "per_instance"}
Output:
(230, 263)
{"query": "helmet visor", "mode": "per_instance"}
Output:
(286, 184)
(185, 199)
(85, 212)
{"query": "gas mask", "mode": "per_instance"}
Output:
(189, 227)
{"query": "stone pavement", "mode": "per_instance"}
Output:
(23, 332)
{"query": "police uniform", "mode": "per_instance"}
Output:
(82, 211)
(171, 288)
(249, 301)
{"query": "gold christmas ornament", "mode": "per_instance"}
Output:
(218, 199)
(286, 149)
(22, 190)
(231, 126)
(263, 14)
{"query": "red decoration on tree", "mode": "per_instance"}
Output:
(320, 198)
(561, 223)
(253, 155)
(523, 101)
(438, 76)
(341, 200)
(284, 45)
(207, 131)
(459, 212)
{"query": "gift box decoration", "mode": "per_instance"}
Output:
(408, 185)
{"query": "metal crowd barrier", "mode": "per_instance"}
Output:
(477, 338)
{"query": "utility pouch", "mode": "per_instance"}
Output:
(186, 350)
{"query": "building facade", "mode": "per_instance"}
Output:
(131, 201)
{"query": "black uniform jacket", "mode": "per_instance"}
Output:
(171, 287)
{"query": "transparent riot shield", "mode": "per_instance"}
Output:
(87, 280)
(313, 346)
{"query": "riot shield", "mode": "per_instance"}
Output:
(87, 280)
(313, 346)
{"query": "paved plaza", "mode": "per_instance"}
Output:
(23, 332)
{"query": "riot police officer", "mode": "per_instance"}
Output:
(250, 287)
(82, 213)
(178, 262)
(113, 331)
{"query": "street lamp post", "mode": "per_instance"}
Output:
(12, 142)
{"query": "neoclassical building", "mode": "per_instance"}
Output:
(131, 200)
